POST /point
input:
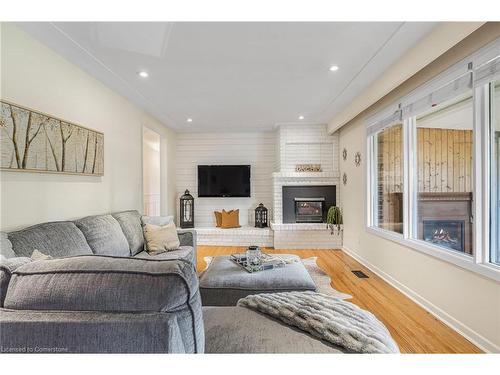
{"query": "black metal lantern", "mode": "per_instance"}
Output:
(261, 216)
(187, 210)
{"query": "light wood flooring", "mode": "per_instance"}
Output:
(414, 329)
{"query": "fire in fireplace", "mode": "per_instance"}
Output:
(309, 210)
(446, 233)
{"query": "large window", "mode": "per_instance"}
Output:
(444, 174)
(389, 179)
(495, 171)
(434, 166)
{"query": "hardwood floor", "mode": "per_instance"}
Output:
(414, 329)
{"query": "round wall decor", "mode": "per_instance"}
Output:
(357, 159)
(344, 154)
(344, 178)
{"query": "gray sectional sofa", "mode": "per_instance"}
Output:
(102, 293)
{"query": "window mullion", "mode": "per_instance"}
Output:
(374, 182)
(369, 181)
(409, 173)
(481, 163)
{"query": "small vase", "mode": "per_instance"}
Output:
(253, 255)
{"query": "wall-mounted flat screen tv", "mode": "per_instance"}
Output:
(223, 180)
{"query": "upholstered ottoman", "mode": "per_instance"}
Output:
(223, 283)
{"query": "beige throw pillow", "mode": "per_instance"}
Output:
(230, 219)
(38, 255)
(161, 238)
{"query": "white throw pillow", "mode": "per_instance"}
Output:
(157, 220)
(161, 238)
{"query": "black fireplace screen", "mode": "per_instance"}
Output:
(445, 233)
(309, 210)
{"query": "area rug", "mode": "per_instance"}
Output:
(320, 277)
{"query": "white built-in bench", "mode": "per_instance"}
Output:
(243, 236)
(279, 236)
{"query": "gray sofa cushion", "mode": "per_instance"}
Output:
(184, 252)
(6, 246)
(7, 266)
(223, 283)
(100, 283)
(104, 235)
(130, 222)
(57, 239)
(240, 330)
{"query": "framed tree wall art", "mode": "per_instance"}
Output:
(33, 141)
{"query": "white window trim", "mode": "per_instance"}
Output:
(480, 261)
(490, 270)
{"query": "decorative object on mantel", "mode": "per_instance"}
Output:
(187, 210)
(261, 216)
(357, 159)
(344, 178)
(344, 154)
(308, 168)
(334, 219)
(33, 141)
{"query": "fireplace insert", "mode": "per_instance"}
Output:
(309, 210)
(446, 233)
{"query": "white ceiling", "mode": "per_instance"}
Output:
(234, 76)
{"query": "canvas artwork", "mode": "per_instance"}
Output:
(37, 142)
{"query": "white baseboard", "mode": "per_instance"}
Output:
(471, 335)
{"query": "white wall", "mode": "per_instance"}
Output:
(36, 77)
(256, 149)
(465, 300)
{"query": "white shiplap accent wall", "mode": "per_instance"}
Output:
(257, 149)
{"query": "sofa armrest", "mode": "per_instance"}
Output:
(7, 266)
(91, 332)
(187, 237)
(102, 283)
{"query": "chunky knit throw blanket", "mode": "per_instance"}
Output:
(330, 319)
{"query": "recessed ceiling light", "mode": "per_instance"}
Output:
(143, 74)
(334, 68)
(301, 117)
(189, 120)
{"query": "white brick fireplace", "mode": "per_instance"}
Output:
(308, 144)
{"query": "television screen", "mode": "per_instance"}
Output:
(223, 180)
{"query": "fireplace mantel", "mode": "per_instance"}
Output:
(443, 197)
(305, 175)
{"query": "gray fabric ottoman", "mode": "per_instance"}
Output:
(223, 283)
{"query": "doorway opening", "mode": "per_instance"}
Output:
(151, 172)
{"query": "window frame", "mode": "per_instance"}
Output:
(479, 262)
(373, 193)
